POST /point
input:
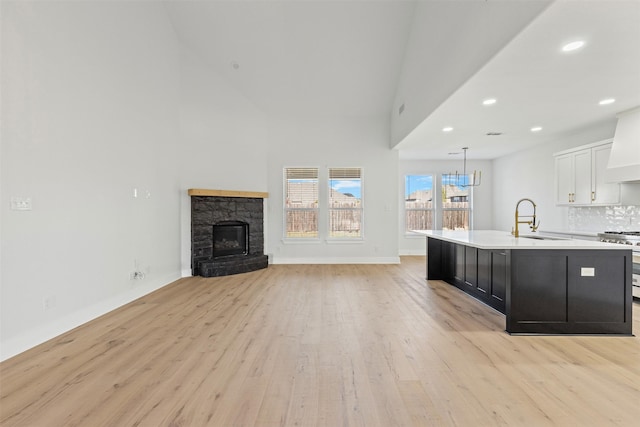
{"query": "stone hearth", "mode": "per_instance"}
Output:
(212, 207)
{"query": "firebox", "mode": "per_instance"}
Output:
(230, 238)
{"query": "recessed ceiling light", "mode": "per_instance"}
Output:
(607, 101)
(569, 47)
(489, 101)
(536, 129)
(235, 65)
(447, 129)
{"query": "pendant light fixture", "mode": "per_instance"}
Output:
(475, 178)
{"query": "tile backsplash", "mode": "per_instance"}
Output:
(604, 218)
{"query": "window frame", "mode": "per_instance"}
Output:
(432, 210)
(468, 209)
(329, 208)
(287, 209)
(323, 209)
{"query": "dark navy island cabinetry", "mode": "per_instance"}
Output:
(481, 273)
(551, 292)
(559, 287)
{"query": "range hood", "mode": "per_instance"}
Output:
(624, 161)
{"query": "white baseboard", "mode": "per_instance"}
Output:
(337, 260)
(187, 273)
(38, 335)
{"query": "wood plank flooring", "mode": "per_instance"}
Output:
(319, 345)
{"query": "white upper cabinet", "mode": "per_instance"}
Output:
(565, 179)
(603, 192)
(580, 176)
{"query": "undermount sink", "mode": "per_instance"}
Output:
(542, 238)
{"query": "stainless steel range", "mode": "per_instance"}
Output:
(631, 238)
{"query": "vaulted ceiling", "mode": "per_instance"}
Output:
(349, 58)
(302, 57)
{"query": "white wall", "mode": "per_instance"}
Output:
(530, 173)
(482, 213)
(89, 107)
(336, 142)
(99, 99)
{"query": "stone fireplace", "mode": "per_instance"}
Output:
(227, 232)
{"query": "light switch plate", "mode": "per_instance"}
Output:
(21, 204)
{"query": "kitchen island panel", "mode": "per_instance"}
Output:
(538, 287)
(597, 298)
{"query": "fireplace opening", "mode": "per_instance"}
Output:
(230, 238)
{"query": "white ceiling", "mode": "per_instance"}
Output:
(344, 58)
(302, 57)
(536, 84)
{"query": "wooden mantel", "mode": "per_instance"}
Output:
(227, 193)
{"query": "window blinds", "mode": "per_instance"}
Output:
(345, 173)
(301, 173)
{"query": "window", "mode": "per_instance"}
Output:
(301, 202)
(345, 202)
(342, 203)
(456, 202)
(418, 202)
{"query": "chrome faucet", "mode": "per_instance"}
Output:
(531, 223)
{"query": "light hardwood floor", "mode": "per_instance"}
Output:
(319, 345)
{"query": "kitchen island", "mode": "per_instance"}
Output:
(542, 285)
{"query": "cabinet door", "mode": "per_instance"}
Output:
(484, 271)
(602, 192)
(538, 286)
(441, 259)
(498, 275)
(564, 179)
(448, 259)
(471, 267)
(459, 271)
(582, 176)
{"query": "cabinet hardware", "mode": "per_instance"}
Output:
(593, 196)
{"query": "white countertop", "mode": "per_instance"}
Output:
(571, 233)
(493, 239)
